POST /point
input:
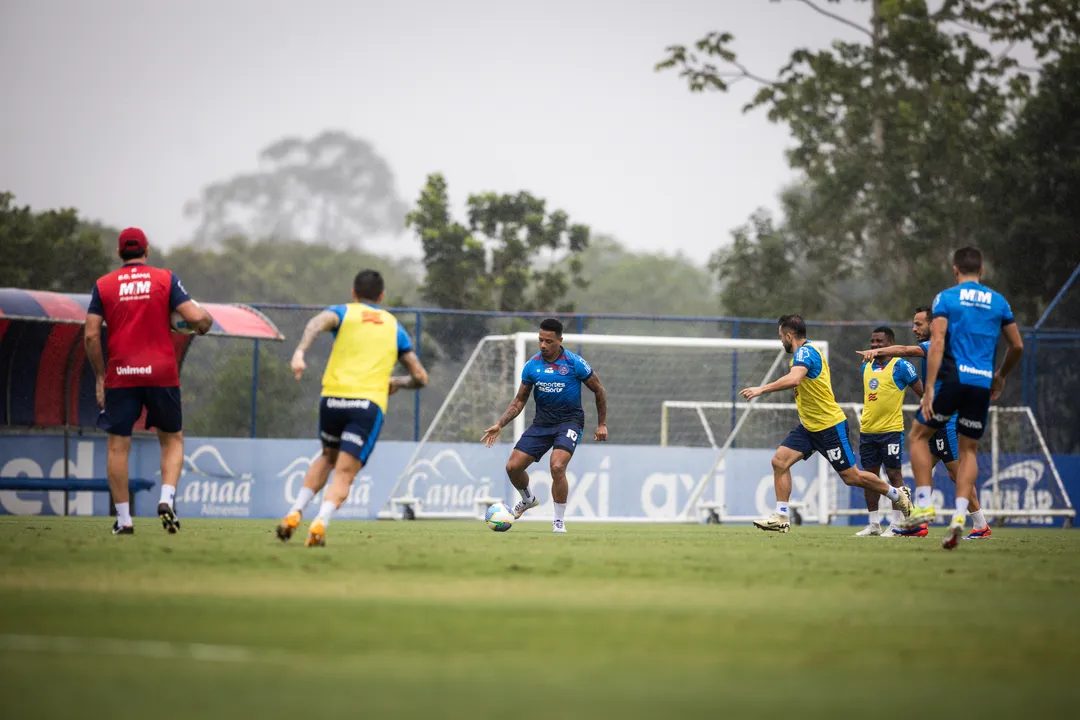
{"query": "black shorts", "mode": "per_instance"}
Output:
(350, 425)
(970, 404)
(877, 449)
(831, 442)
(124, 407)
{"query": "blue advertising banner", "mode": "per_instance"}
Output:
(242, 478)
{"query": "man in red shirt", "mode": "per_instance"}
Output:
(134, 302)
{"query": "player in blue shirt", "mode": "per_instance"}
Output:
(968, 320)
(943, 445)
(554, 376)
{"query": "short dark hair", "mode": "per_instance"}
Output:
(133, 254)
(923, 309)
(886, 331)
(552, 325)
(368, 285)
(793, 324)
(968, 260)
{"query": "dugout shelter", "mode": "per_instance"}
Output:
(46, 380)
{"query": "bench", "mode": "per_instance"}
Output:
(66, 485)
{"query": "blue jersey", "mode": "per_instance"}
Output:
(976, 315)
(557, 388)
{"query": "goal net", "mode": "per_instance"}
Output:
(451, 474)
(1018, 481)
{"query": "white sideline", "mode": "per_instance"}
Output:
(157, 649)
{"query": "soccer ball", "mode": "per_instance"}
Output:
(499, 518)
(179, 324)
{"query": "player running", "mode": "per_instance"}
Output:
(554, 376)
(357, 382)
(822, 426)
(943, 445)
(881, 427)
(135, 302)
(968, 320)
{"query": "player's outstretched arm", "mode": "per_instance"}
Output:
(789, 381)
(891, 351)
(196, 316)
(934, 356)
(92, 343)
(594, 384)
(1008, 363)
(416, 379)
(325, 321)
(515, 408)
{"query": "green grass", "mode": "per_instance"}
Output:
(451, 620)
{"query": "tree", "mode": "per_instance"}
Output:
(895, 134)
(222, 381)
(50, 250)
(509, 258)
(333, 189)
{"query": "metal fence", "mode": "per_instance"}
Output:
(236, 389)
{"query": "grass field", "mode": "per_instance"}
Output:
(451, 620)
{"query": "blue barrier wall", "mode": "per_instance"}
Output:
(242, 478)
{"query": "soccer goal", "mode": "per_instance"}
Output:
(1018, 481)
(451, 475)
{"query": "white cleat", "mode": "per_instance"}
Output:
(774, 523)
(558, 526)
(524, 505)
(871, 530)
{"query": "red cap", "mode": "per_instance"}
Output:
(133, 239)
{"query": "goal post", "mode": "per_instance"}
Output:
(1018, 480)
(639, 373)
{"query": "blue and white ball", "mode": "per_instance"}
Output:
(499, 518)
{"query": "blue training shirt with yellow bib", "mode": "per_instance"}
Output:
(881, 436)
(356, 383)
(822, 424)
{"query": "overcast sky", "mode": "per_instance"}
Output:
(125, 109)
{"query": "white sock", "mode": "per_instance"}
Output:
(893, 493)
(123, 514)
(326, 511)
(560, 510)
(961, 506)
(525, 494)
(875, 517)
(977, 520)
(781, 508)
(305, 496)
(168, 492)
(924, 496)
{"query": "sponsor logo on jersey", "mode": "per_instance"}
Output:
(347, 403)
(974, 424)
(976, 371)
(872, 397)
(971, 296)
(873, 383)
(550, 387)
(563, 370)
(549, 371)
(371, 316)
(130, 370)
(134, 289)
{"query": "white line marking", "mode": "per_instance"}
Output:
(157, 649)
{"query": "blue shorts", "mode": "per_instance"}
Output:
(943, 444)
(877, 449)
(536, 441)
(350, 425)
(832, 442)
(124, 407)
(969, 404)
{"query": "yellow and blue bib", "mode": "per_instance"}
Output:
(883, 395)
(818, 409)
(367, 344)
